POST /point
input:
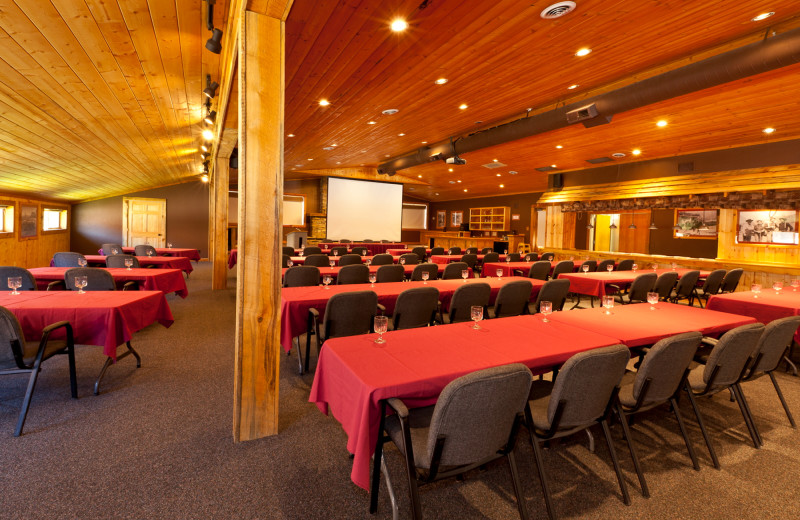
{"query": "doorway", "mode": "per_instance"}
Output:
(606, 232)
(144, 221)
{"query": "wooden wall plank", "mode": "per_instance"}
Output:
(218, 227)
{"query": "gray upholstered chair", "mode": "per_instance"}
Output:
(390, 273)
(487, 250)
(382, 259)
(345, 241)
(285, 260)
(724, 368)
(319, 260)
(118, 260)
(338, 251)
(18, 356)
(540, 270)
(475, 420)
(637, 293)
(512, 300)
(685, 288)
(453, 270)
(437, 251)
(415, 307)
(583, 394)
(360, 251)
(312, 250)
(96, 279)
(491, 256)
(408, 259)
(660, 379)
(326, 241)
(144, 250)
(564, 266)
(664, 285)
(625, 265)
(431, 269)
(554, 291)
(471, 251)
(112, 249)
(349, 259)
(471, 259)
(287, 250)
(367, 241)
(10, 271)
(301, 276)
(602, 267)
(548, 256)
(353, 274)
(513, 257)
(68, 259)
(455, 250)
(346, 314)
(711, 286)
(531, 257)
(731, 280)
(464, 298)
(421, 253)
(592, 266)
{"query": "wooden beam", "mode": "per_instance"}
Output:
(364, 174)
(261, 80)
(219, 225)
(275, 8)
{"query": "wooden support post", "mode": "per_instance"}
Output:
(219, 228)
(261, 79)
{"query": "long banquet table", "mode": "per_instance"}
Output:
(449, 259)
(106, 318)
(164, 280)
(508, 268)
(374, 248)
(354, 374)
(594, 284)
(408, 269)
(160, 262)
(191, 254)
(766, 307)
(296, 301)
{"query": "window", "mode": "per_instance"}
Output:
(415, 216)
(54, 219)
(6, 217)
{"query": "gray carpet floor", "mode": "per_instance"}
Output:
(156, 443)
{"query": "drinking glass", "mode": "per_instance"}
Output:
(652, 299)
(368, 261)
(655, 267)
(756, 288)
(402, 261)
(80, 283)
(795, 284)
(777, 286)
(425, 276)
(289, 263)
(585, 268)
(673, 265)
(169, 245)
(372, 278)
(381, 325)
(326, 279)
(128, 263)
(572, 259)
(608, 303)
(508, 259)
(505, 251)
(476, 313)
(150, 252)
(635, 267)
(14, 283)
(333, 263)
(545, 308)
(499, 273)
(302, 253)
(610, 267)
(465, 274)
(114, 251)
(82, 262)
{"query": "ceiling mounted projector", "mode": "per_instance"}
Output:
(455, 160)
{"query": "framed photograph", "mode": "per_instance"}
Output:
(695, 223)
(441, 219)
(456, 217)
(767, 227)
(28, 221)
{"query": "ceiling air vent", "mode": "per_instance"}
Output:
(493, 165)
(599, 160)
(557, 10)
(546, 169)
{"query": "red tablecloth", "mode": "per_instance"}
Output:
(191, 254)
(636, 325)
(164, 280)
(767, 307)
(106, 318)
(404, 250)
(232, 254)
(301, 260)
(295, 301)
(594, 284)
(449, 259)
(508, 268)
(353, 374)
(160, 262)
(407, 269)
(373, 247)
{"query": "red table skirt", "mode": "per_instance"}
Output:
(594, 284)
(407, 269)
(159, 262)
(766, 307)
(232, 255)
(191, 254)
(164, 280)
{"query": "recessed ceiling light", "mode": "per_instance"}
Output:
(512, 172)
(452, 182)
(419, 176)
(387, 155)
(463, 106)
(334, 145)
(390, 111)
(583, 52)
(290, 135)
(424, 142)
(553, 166)
(327, 148)
(459, 181)
(208, 135)
(311, 159)
(662, 122)
(204, 147)
(370, 122)
(498, 175)
(436, 194)
(363, 151)
(400, 134)
(299, 165)
(324, 102)
(494, 160)
(768, 130)
(465, 189)
(449, 169)
(618, 155)
(762, 16)
(502, 185)
(441, 81)
(399, 25)
(636, 151)
(338, 162)
(559, 146)
(572, 87)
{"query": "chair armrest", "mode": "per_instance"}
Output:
(128, 285)
(56, 283)
(53, 326)
(709, 341)
(518, 272)
(398, 406)
(313, 313)
(382, 309)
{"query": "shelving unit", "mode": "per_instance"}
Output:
(490, 219)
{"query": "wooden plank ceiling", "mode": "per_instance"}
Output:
(100, 97)
(501, 58)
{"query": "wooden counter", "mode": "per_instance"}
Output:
(451, 239)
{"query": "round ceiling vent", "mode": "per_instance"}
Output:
(557, 10)
(618, 155)
(390, 111)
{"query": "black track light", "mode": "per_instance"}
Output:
(205, 167)
(211, 87)
(211, 117)
(214, 43)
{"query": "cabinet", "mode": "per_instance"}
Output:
(490, 219)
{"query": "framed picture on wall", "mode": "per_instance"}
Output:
(441, 219)
(767, 227)
(28, 221)
(695, 223)
(456, 217)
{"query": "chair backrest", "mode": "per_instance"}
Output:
(592, 266)
(548, 256)
(349, 259)
(349, 314)
(312, 250)
(11, 271)
(475, 414)
(382, 259)
(642, 285)
(96, 279)
(514, 257)
(455, 250)
(774, 341)
(318, 260)
(512, 300)
(360, 251)
(409, 259)
(384, 241)
(470, 259)
(487, 250)
(431, 269)
(367, 241)
(301, 276)
(585, 384)
(111, 249)
(118, 260)
(665, 283)
(338, 251)
(465, 297)
(415, 307)
(437, 251)
(345, 241)
(731, 280)
(285, 259)
(350, 274)
(731, 353)
(625, 265)
(554, 291)
(471, 251)
(453, 271)
(491, 256)
(326, 241)
(540, 270)
(144, 250)
(287, 250)
(665, 364)
(714, 281)
(564, 266)
(602, 267)
(12, 341)
(531, 257)
(390, 273)
(686, 284)
(421, 253)
(67, 259)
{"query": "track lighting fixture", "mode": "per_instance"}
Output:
(211, 87)
(211, 117)
(205, 167)
(204, 147)
(214, 43)
(204, 178)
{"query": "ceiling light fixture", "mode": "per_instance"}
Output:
(465, 189)
(632, 226)
(370, 122)
(399, 25)
(662, 123)
(583, 52)
(768, 130)
(762, 16)
(208, 135)
(211, 87)
(612, 226)
(204, 178)
(324, 102)
(205, 167)
(636, 151)
(211, 117)
(559, 146)
(214, 43)
(290, 135)
(400, 134)
(652, 223)
(502, 185)
(498, 175)
(573, 87)
(204, 147)
(441, 81)
(463, 106)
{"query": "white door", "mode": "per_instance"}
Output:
(144, 221)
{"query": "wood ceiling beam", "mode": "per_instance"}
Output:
(273, 8)
(364, 174)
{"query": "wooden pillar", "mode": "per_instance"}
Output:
(261, 78)
(218, 253)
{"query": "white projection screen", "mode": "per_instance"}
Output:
(364, 209)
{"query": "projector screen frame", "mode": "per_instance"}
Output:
(363, 182)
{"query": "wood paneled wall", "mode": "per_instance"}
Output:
(728, 249)
(634, 240)
(36, 251)
(554, 229)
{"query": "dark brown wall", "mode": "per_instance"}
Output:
(520, 205)
(662, 241)
(100, 221)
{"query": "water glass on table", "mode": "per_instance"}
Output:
(608, 303)
(465, 274)
(499, 273)
(476, 313)
(610, 267)
(795, 284)
(634, 267)
(381, 325)
(372, 278)
(425, 276)
(652, 299)
(777, 286)
(585, 268)
(326, 280)
(545, 308)
(756, 288)
(14, 283)
(80, 283)
(333, 263)
(128, 263)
